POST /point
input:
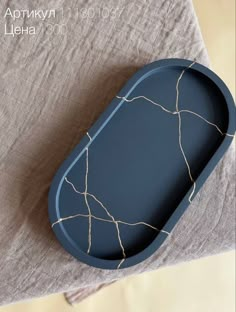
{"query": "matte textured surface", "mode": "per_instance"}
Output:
(52, 112)
(131, 160)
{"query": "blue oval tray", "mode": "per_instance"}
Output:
(120, 193)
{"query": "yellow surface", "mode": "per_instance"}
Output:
(206, 285)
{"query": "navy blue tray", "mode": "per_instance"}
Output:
(120, 193)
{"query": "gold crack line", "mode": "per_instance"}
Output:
(210, 123)
(186, 161)
(107, 220)
(113, 220)
(116, 224)
(127, 223)
(147, 99)
(121, 262)
(87, 204)
(90, 139)
(102, 205)
(174, 112)
(177, 85)
(180, 132)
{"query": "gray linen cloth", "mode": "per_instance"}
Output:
(53, 85)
